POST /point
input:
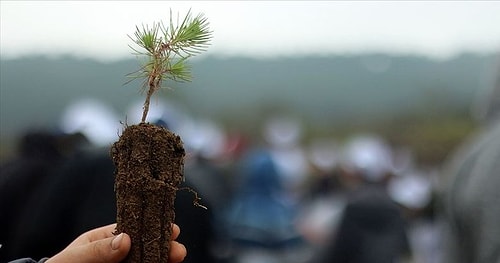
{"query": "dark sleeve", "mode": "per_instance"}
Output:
(28, 260)
(345, 244)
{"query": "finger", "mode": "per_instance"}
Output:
(101, 233)
(95, 234)
(108, 250)
(176, 230)
(177, 252)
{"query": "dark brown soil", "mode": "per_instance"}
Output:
(149, 164)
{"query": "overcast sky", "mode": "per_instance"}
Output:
(99, 29)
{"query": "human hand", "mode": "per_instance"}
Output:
(101, 246)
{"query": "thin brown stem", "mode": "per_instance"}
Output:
(154, 82)
(146, 104)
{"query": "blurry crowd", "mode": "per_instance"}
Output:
(272, 199)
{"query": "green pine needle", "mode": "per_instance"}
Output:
(165, 51)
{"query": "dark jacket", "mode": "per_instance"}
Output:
(372, 230)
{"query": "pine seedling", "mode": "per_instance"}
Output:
(149, 159)
(165, 50)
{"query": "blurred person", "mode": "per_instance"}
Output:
(372, 228)
(101, 245)
(414, 192)
(204, 143)
(471, 195)
(79, 132)
(324, 201)
(260, 219)
(39, 153)
(283, 134)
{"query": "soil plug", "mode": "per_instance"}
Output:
(149, 159)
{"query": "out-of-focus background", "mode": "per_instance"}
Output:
(304, 80)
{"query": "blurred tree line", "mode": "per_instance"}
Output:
(413, 101)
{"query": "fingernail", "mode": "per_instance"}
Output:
(115, 243)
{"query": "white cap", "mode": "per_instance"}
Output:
(369, 155)
(204, 137)
(282, 131)
(92, 118)
(412, 190)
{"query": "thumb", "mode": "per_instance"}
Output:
(108, 250)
